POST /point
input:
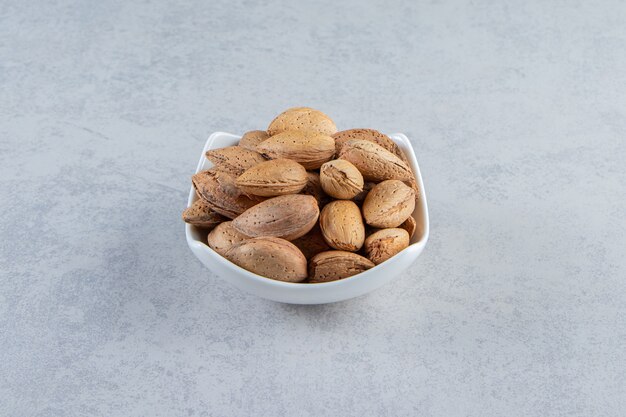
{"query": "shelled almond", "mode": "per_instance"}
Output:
(301, 202)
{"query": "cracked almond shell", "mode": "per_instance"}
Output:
(270, 257)
(342, 225)
(336, 264)
(340, 179)
(375, 162)
(286, 216)
(273, 178)
(310, 149)
(388, 204)
(385, 243)
(303, 119)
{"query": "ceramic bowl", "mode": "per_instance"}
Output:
(302, 293)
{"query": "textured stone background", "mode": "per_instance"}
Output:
(518, 114)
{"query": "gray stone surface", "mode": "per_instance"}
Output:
(518, 114)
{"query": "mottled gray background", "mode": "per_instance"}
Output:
(517, 111)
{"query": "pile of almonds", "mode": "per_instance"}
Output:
(302, 202)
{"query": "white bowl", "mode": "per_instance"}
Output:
(296, 293)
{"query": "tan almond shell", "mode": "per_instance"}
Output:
(416, 189)
(336, 264)
(342, 225)
(308, 148)
(200, 214)
(375, 162)
(388, 204)
(370, 135)
(303, 119)
(270, 257)
(340, 179)
(250, 139)
(378, 138)
(313, 188)
(223, 237)
(219, 191)
(273, 178)
(410, 225)
(385, 243)
(234, 159)
(286, 216)
(312, 243)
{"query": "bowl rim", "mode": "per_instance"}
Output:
(399, 138)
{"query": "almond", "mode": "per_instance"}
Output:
(375, 162)
(410, 225)
(336, 264)
(223, 237)
(342, 225)
(388, 204)
(303, 119)
(370, 135)
(340, 179)
(270, 257)
(272, 178)
(234, 159)
(286, 216)
(308, 148)
(219, 191)
(312, 243)
(380, 139)
(249, 140)
(200, 214)
(385, 243)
